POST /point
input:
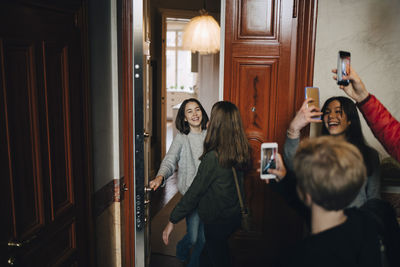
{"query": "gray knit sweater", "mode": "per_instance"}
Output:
(185, 151)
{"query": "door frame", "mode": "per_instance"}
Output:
(307, 12)
(132, 65)
(128, 236)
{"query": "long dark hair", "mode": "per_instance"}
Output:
(353, 132)
(226, 136)
(182, 125)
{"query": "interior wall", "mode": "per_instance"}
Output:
(209, 81)
(104, 90)
(105, 129)
(370, 30)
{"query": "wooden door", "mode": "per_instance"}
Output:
(147, 126)
(45, 163)
(268, 50)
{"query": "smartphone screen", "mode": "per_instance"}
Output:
(343, 67)
(313, 92)
(268, 159)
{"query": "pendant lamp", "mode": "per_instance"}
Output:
(202, 34)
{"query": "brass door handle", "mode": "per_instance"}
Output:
(17, 244)
(146, 135)
(11, 261)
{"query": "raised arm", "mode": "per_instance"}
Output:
(383, 125)
(304, 116)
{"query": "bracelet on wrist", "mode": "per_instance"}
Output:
(292, 134)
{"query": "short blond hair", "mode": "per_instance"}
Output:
(331, 171)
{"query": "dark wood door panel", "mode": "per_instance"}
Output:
(258, 20)
(22, 133)
(267, 57)
(56, 249)
(255, 94)
(44, 133)
(57, 91)
(39, 21)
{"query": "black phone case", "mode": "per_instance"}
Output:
(341, 55)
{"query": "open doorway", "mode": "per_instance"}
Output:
(183, 75)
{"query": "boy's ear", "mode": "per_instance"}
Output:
(304, 197)
(308, 199)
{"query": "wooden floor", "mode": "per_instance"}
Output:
(159, 199)
(158, 260)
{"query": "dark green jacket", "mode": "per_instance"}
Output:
(213, 193)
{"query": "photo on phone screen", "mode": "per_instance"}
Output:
(343, 67)
(268, 159)
(313, 92)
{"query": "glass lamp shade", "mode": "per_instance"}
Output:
(202, 34)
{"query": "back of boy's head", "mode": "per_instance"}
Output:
(331, 171)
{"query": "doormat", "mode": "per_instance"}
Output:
(158, 223)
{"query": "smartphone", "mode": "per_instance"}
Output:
(313, 92)
(343, 67)
(268, 159)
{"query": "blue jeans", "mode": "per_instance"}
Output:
(194, 238)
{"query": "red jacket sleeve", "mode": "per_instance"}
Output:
(384, 126)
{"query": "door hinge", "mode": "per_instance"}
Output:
(123, 188)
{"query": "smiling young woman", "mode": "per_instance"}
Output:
(335, 120)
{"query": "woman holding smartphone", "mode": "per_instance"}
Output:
(340, 119)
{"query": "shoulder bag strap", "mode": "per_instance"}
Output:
(238, 190)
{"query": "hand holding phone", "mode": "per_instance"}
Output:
(268, 159)
(343, 67)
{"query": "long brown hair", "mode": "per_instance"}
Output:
(226, 136)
